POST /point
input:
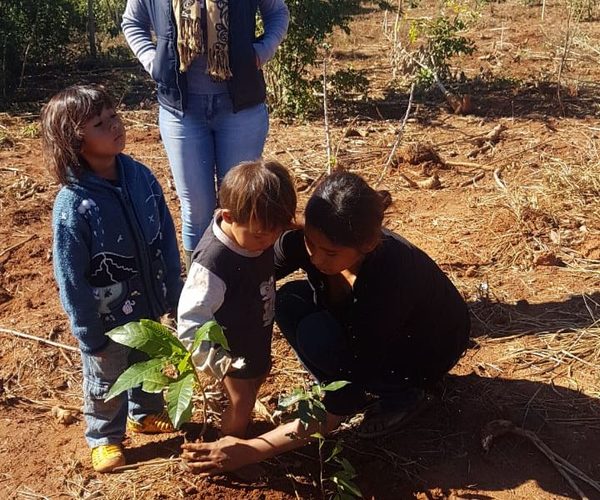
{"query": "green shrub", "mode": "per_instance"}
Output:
(441, 38)
(291, 87)
(170, 365)
(32, 32)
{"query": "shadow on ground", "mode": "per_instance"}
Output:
(491, 100)
(498, 319)
(441, 452)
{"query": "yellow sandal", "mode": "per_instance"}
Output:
(106, 457)
(152, 424)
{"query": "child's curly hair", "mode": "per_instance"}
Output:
(259, 192)
(63, 120)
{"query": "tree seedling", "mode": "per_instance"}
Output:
(307, 406)
(170, 365)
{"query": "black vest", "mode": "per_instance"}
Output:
(246, 87)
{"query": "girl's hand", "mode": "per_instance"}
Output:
(226, 454)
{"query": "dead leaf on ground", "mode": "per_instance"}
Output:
(64, 416)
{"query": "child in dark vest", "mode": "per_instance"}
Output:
(231, 280)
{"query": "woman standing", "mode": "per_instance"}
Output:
(206, 62)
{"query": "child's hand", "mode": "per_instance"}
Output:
(226, 454)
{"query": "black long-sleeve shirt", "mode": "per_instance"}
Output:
(405, 320)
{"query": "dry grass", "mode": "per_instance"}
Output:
(162, 479)
(546, 204)
(554, 351)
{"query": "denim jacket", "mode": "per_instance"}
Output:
(115, 252)
(246, 87)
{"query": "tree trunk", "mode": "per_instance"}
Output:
(91, 28)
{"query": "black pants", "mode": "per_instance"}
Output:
(321, 345)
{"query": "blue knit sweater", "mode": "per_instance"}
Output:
(115, 252)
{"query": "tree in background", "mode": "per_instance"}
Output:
(291, 86)
(32, 32)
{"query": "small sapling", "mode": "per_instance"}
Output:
(307, 406)
(170, 365)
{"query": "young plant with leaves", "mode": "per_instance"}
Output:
(292, 88)
(170, 365)
(307, 406)
(432, 42)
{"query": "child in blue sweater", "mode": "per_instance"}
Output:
(115, 259)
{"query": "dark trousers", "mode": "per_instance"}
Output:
(321, 345)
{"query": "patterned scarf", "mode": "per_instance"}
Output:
(190, 39)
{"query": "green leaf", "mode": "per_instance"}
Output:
(337, 449)
(154, 385)
(131, 334)
(179, 399)
(185, 365)
(317, 390)
(136, 375)
(346, 486)
(212, 332)
(290, 399)
(167, 336)
(347, 466)
(334, 386)
(305, 413)
(148, 336)
(319, 413)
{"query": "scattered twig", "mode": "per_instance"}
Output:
(38, 339)
(473, 180)
(566, 48)
(27, 493)
(498, 179)
(314, 183)
(397, 142)
(486, 142)
(46, 405)
(344, 132)
(498, 428)
(468, 164)
(17, 245)
(138, 122)
(155, 461)
(67, 358)
(326, 115)
(460, 105)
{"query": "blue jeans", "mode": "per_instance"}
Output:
(106, 419)
(202, 146)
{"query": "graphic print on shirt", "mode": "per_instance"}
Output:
(110, 272)
(267, 292)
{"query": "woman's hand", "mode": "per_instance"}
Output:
(226, 454)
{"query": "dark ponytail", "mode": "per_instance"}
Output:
(347, 210)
